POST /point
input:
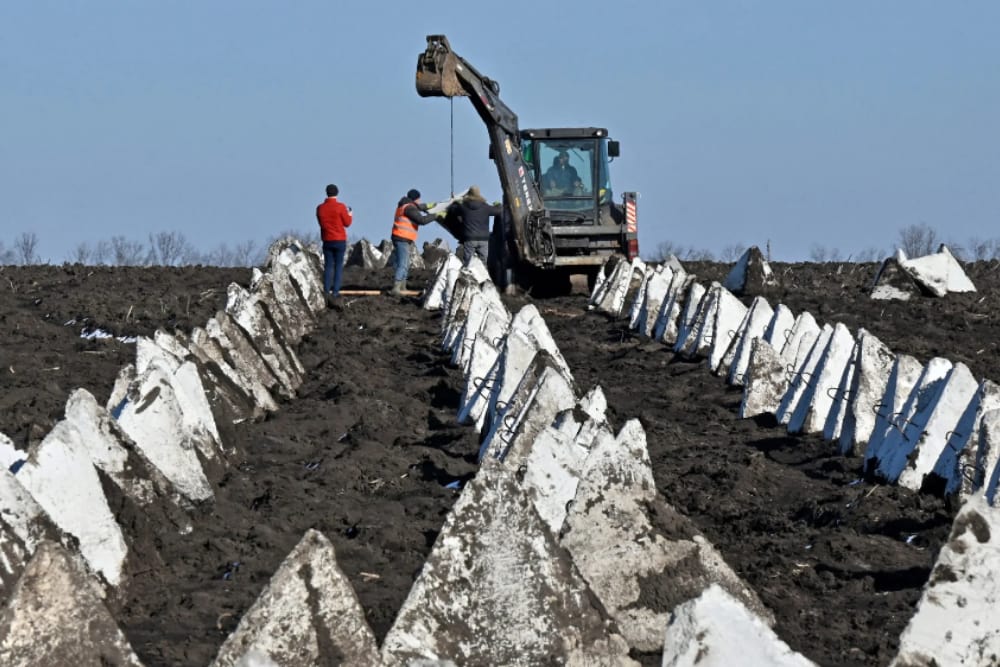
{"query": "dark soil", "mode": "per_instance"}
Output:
(365, 452)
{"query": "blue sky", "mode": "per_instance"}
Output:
(800, 123)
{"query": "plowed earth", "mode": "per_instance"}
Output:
(365, 454)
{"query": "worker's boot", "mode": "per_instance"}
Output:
(397, 288)
(403, 287)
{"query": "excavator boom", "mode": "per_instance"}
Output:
(443, 73)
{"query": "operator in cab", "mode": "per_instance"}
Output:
(561, 178)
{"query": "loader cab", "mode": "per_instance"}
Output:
(570, 168)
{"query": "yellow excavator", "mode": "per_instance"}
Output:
(551, 228)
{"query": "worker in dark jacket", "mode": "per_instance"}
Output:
(471, 218)
(410, 214)
(334, 218)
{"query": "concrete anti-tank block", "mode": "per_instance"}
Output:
(198, 420)
(804, 376)
(113, 453)
(555, 462)
(930, 429)
(955, 623)
(751, 274)
(252, 316)
(257, 399)
(284, 306)
(528, 334)
(308, 614)
(455, 315)
(300, 307)
(366, 255)
(798, 342)
(702, 631)
(873, 363)
(435, 295)
(626, 278)
(701, 335)
(817, 399)
(958, 464)
(652, 300)
(56, 617)
(543, 391)
(906, 372)
(897, 443)
(305, 271)
(699, 298)
(754, 324)
(988, 455)
(669, 321)
(595, 403)
(637, 303)
(728, 315)
(151, 415)
(23, 526)
(938, 273)
(779, 329)
(841, 395)
(625, 539)
(59, 475)
(604, 280)
(228, 402)
(497, 589)
(479, 378)
(893, 282)
(242, 353)
(766, 381)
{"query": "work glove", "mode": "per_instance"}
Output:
(432, 204)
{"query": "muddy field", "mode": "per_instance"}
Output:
(368, 450)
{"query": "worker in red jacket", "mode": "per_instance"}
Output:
(334, 218)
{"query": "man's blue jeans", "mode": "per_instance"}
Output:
(402, 259)
(472, 248)
(333, 265)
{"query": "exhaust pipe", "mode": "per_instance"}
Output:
(436, 68)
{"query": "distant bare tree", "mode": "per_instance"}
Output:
(168, 248)
(699, 255)
(244, 254)
(125, 252)
(819, 253)
(81, 253)
(870, 254)
(6, 255)
(26, 248)
(102, 252)
(732, 252)
(221, 255)
(664, 250)
(918, 240)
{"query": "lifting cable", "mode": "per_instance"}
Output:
(451, 102)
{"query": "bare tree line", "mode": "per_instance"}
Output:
(914, 240)
(160, 249)
(173, 249)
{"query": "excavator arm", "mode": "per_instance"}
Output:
(443, 73)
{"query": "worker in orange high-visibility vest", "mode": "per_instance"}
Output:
(410, 214)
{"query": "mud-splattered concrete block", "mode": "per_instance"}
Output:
(56, 617)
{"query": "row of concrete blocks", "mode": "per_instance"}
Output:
(365, 254)
(923, 426)
(562, 512)
(156, 445)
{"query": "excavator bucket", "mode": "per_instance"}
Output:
(436, 68)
